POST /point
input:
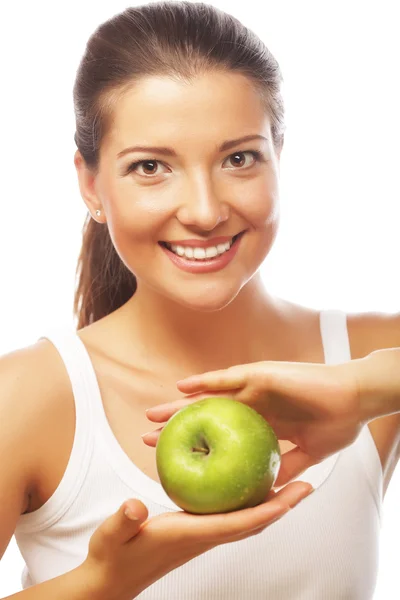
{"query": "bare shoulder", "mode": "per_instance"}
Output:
(35, 382)
(368, 332)
(371, 331)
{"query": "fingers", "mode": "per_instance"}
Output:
(224, 379)
(151, 438)
(219, 527)
(119, 528)
(255, 531)
(293, 464)
(163, 412)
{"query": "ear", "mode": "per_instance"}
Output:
(86, 181)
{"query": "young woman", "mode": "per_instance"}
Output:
(179, 130)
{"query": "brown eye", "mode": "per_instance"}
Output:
(238, 161)
(238, 155)
(148, 167)
(152, 164)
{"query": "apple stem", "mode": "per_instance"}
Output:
(205, 450)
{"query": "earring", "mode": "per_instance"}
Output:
(98, 212)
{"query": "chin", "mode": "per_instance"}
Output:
(208, 299)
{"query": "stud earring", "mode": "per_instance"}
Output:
(98, 212)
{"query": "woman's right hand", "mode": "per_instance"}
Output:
(127, 556)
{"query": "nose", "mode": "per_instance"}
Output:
(201, 208)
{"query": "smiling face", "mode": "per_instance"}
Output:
(194, 199)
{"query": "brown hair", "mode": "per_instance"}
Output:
(175, 39)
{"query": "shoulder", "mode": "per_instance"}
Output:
(375, 331)
(33, 375)
(37, 399)
(372, 331)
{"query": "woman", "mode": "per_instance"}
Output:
(179, 129)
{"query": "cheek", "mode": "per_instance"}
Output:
(259, 205)
(136, 221)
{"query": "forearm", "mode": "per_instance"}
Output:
(378, 376)
(73, 585)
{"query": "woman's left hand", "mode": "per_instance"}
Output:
(314, 406)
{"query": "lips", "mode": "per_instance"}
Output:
(201, 243)
(202, 265)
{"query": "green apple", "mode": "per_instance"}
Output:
(217, 455)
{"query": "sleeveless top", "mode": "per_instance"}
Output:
(327, 547)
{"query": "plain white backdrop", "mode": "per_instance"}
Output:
(338, 245)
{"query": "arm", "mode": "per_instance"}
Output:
(26, 396)
(378, 376)
(74, 585)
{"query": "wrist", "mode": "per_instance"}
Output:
(378, 377)
(100, 585)
(89, 582)
(96, 585)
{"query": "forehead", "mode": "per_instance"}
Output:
(214, 105)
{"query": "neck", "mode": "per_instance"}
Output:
(182, 341)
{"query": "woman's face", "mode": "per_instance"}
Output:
(193, 194)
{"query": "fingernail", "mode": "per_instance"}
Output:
(301, 497)
(306, 496)
(128, 513)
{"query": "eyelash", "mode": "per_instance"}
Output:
(257, 155)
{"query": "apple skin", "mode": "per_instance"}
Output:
(217, 455)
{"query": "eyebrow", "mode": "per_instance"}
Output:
(171, 152)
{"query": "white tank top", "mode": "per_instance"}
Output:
(326, 548)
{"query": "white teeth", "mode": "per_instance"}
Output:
(189, 253)
(211, 252)
(200, 253)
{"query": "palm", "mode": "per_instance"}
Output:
(200, 532)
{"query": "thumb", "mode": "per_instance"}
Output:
(293, 464)
(121, 526)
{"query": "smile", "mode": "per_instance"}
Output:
(199, 253)
(197, 259)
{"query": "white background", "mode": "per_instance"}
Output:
(338, 244)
